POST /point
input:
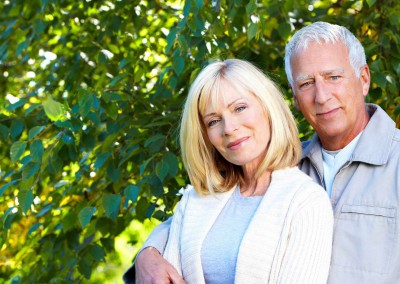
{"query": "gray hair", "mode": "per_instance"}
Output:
(322, 32)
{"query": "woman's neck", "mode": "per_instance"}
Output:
(252, 186)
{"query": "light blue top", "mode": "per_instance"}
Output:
(333, 161)
(220, 248)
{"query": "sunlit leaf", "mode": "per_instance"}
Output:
(54, 110)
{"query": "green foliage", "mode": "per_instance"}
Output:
(92, 94)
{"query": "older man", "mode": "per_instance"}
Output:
(354, 155)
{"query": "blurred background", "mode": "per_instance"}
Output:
(90, 98)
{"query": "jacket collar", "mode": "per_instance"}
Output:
(373, 146)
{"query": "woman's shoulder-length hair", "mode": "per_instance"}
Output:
(208, 171)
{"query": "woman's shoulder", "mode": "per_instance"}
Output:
(304, 188)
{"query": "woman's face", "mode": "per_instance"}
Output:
(237, 126)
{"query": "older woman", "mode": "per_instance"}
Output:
(249, 216)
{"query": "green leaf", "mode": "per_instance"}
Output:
(171, 39)
(158, 138)
(21, 47)
(371, 2)
(97, 252)
(85, 215)
(85, 268)
(144, 165)
(252, 31)
(284, 29)
(18, 104)
(25, 198)
(17, 150)
(45, 209)
(131, 193)
(111, 204)
(4, 187)
(179, 64)
(113, 172)
(3, 132)
(54, 110)
(34, 227)
(251, 7)
(379, 79)
(37, 150)
(85, 102)
(29, 170)
(69, 222)
(34, 131)
(16, 129)
(39, 26)
(162, 169)
(8, 217)
(101, 159)
(172, 161)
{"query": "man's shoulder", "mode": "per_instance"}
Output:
(304, 144)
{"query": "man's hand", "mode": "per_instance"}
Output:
(152, 268)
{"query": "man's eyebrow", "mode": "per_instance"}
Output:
(303, 77)
(322, 73)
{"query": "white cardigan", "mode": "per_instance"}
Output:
(289, 239)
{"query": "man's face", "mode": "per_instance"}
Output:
(328, 93)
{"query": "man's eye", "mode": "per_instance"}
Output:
(334, 78)
(305, 84)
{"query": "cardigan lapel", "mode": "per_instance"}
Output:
(200, 215)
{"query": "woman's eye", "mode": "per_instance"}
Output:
(240, 108)
(212, 122)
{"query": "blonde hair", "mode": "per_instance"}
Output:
(208, 171)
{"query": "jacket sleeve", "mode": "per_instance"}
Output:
(172, 252)
(157, 239)
(308, 253)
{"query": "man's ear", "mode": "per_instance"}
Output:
(365, 77)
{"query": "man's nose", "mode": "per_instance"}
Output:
(322, 92)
